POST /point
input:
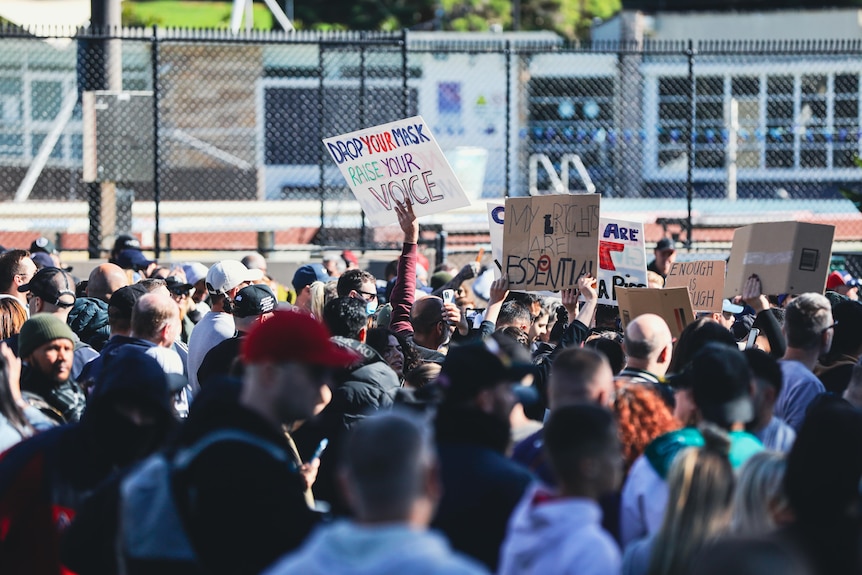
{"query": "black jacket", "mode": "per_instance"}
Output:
(480, 486)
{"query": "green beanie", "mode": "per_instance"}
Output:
(39, 330)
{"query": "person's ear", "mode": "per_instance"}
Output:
(665, 354)
(485, 400)
(363, 333)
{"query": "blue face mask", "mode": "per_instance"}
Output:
(370, 307)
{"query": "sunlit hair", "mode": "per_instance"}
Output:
(642, 416)
(760, 494)
(700, 485)
(12, 317)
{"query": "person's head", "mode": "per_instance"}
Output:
(227, 277)
(726, 317)
(517, 334)
(841, 282)
(721, 386)
(196, 274)
(847, 339)
(583, 449)
(391, 347)
(181, 292)
(479, 376)
(253, 304)
(767, 385)
(609, 343)
(700, 491)
(808, 323)
(649, 343)
(104, 280)
(136, 261)
(422, 375)
(430, 329)
(131, 409)
(288, 362)
(120, 308)
(580, 375)
(759, 503)
(123, 242)
(607, 317)
(12, 317)
(665, 255)
(697, 334)
(361, 285)
(345, 317)
(303, 278)
(539, 326)
(51, 290)
(16, 269)
(156, 318)
(514, 314)
(824, 466)
(254, 261)
(643, 415)
(47, 344)
(388, 471)
(334, 264)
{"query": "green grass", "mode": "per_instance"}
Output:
(182, 14)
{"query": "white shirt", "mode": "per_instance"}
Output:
(212, 329)
(558, 535)
(644, 499)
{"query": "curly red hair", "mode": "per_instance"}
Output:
(642, 416)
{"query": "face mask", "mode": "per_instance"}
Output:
(370, 307)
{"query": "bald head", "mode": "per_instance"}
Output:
(254, 261)
(104, 280)
(156, 318)
(579, 376)
(648, 343)
(426, 314)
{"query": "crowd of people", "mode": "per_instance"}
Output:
(206, 419)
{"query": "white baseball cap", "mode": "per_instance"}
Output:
(227, 274)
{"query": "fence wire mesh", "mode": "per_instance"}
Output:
(208, 141)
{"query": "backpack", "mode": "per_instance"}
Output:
(153, 510)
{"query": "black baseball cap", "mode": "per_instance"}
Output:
(254, 300)
(176, 285)
(665, 244)
(720, 380)
(124, 299)
(53, 285)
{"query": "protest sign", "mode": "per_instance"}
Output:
(704, 280)
(622, 257)
(788, 257)
(495, 227)
(671, 304)
(550, 241)
(396, 162)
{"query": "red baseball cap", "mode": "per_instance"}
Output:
(294, 336)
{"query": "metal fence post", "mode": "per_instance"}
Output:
(322, 233)
(508, 167)
(157, 241)
(692, 103)
(363, 225)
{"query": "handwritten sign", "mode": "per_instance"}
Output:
(673, 305)
(550, 241)
(704, 280)
(496, 214)
(396, 162)
(622, 257)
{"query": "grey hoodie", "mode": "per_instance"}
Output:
(346, 547)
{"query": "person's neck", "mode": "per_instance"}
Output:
(580, 491)
(807, 357)
(425, 341)
(261, 406)
(652, 367)
(418, 517)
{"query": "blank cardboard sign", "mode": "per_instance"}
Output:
(788, 257)
(671, 304)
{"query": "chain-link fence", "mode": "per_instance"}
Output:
(204, 140)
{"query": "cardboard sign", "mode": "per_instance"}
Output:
(399, 161)
(550, 241)
(496, 214)
(789, 257)
(622, 257)
(671, 304)
(704, 280)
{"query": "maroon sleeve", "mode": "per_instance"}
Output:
(404, 290)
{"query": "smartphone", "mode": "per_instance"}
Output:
(448, 296)
(752, 338)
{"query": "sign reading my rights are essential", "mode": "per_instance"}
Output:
(396, 162)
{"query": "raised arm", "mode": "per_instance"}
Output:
(403, 292)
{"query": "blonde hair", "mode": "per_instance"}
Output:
(12, 317)
(759, 494)
(318, 299)
(700, 484)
